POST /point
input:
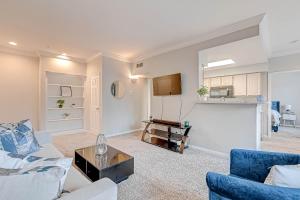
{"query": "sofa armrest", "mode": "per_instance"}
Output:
(242, 189)
(103, 189)
(256, 165)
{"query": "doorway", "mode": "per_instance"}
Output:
(95, 105)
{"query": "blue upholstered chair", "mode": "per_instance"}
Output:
(248, 171)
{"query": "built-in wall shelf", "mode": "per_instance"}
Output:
(73, 86)
(74, 108)
(75, 97)
(66, 119)
(71, 115)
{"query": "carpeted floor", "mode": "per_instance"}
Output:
(159, 174)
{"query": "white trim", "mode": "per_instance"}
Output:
(89, 59)
(209, 151)
(69, 132)
(247, 23)
(116, 57)
(55, 54)
(281, 53)
(19, 52)
(122, 133)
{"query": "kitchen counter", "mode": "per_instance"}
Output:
(236, 100)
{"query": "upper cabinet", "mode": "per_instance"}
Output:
(226, 80)
(215, 82)
(243, 84)
(254, 84)
(207, 82)
(240, 85)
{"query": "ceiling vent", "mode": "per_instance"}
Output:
(139, 65)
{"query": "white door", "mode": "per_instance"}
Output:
(240, 85)
(95, 105)
(253, 84)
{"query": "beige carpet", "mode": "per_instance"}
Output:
(159, 174)
(283, 141)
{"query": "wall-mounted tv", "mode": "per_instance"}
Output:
(167, 85)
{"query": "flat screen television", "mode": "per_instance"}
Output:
(167, 85)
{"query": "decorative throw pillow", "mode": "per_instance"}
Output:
(41, 183)
(43, 175)
(18, 138)
(284, 176)
(34, 162)
(11, 161)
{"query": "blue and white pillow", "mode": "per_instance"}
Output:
(43, 175)
(18, 138)
(37, 183)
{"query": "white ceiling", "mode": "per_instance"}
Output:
(131, 28)
(244, 53)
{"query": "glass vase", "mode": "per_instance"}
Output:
(101, 146)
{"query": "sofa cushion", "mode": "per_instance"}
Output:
(18, 138)
(75, 180)
(41, 183)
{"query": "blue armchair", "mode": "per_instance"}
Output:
(248, 171)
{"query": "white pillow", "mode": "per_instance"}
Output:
(10, 161)
(33, 185)
(33, 162)
(284, 176)
(33, 172)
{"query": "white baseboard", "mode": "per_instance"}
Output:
(209, 151)
(122, 133)
(55, 133)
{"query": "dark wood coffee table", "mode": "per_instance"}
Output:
(114, 164)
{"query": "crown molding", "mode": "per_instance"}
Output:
(16, 51)
(109, 55)
(54, 55)
(288, 52)
(93, 57)
(116, 57)
(244, 24)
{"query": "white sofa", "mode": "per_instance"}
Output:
(79, 186)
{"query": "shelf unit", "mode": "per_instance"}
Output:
(66, 108)
(56, 118)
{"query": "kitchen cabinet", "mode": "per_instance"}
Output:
(254, 84)
(240, 85)
(226, 80)
(215, 82)
(207, 82)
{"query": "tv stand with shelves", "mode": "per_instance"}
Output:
(166, 139)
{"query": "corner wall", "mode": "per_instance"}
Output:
(19, 88)
(125, 114)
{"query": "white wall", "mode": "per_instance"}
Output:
(285, 88)
(185, 61)
(285, 63)
(19, 88)
(125, 114)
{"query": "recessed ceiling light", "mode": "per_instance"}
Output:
(13, 43)
(220, 63)
(63, 56)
